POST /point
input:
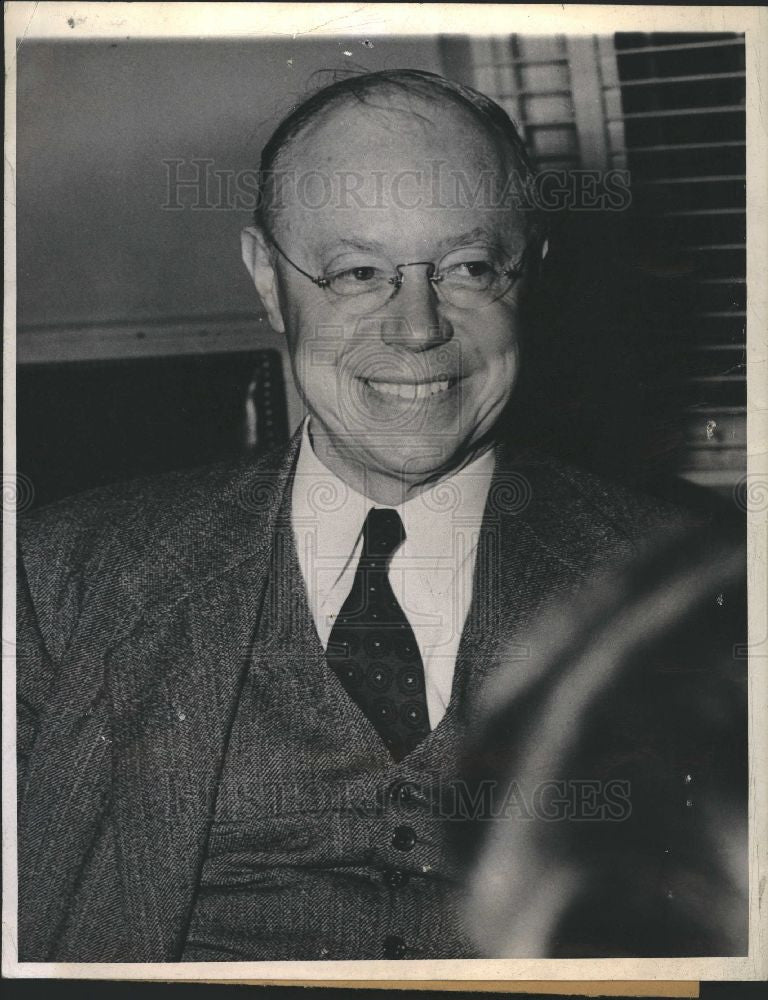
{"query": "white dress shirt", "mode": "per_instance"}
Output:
(430, 574)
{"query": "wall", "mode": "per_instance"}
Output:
(96, 120)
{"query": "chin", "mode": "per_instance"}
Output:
(425, 457)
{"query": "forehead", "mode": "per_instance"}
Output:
(408, 172)
(353, 132)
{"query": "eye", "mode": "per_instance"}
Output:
(358, 279)
(480, 271)
(475, 268)
(358, 274)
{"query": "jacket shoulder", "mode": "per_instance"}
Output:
(585, 519)
(129, 543)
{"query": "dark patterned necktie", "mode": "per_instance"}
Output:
(372, 648)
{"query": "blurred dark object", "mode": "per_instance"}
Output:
(82, 425)
(617, 743)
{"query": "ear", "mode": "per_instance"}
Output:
(259, 264)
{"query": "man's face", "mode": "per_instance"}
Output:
(409, 389)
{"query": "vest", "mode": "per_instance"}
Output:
(321, 846)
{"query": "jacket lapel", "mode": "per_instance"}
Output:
(174, 684)
(518, 570)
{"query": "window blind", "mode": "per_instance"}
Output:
(670, 109)
(682, 120)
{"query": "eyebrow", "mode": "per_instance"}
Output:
(374, 245)
(479, 232)
(353, 244)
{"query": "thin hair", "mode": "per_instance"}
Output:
(360, 88)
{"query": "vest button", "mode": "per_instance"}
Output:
(403, 838)
(396, 879)
(394, 947)
(402, 792)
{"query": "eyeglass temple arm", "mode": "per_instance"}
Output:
(319, 281)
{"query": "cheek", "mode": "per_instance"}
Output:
(492, 348)
(313, 343)
(501, 376)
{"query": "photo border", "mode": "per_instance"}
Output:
(68, 21)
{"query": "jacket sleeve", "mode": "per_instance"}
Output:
(35, 670)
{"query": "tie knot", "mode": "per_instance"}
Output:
(383, 532)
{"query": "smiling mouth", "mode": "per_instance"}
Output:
(412, 390)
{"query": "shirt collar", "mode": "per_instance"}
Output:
(333, 512)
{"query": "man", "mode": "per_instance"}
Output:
(240, 688)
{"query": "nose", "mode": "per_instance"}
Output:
(414, 322)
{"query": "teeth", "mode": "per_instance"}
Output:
(411, 390)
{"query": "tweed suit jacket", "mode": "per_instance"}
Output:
(138, 609)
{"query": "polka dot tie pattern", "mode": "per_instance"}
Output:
(372, 648)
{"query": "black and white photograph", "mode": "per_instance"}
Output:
(385, 436)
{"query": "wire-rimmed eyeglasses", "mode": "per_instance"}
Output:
(466, 278)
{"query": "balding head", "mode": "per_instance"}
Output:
(360, 116)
